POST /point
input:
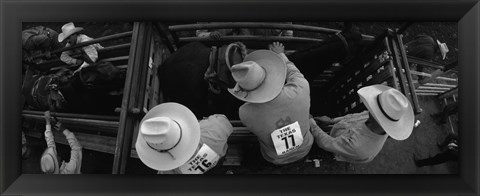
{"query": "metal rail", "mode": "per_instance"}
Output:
(94, 41)
(257, 25)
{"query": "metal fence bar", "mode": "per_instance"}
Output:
(250, 38)
(258, 25)
(94, 41)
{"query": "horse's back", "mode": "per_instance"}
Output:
(182, 77)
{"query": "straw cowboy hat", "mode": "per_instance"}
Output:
(390, 108)
(168, 136)
(260, 77)
(443, 49)
(67, 30)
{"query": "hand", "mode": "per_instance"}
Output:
(324, 120)
(78, 62)
(215, 35)
(277, 47)
(47, 115)
(59, 126)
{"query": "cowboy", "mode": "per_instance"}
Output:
(358, 138)
(36, 41)
(89, 54)
(449, 153)
(424, 46)
(50, 161)
(278, 104)
(172, 141)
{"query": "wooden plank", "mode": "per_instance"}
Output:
(431, 88)
(120, 58)
(129, 115)
(423, 62)
(108, 127)
(429, 91)
(71, 115)
(427, 94)
(449, 93)
(441, 85)
(411, 86)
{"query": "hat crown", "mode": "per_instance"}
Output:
(393, 103)
(249, 75)
(68, 27)
(443, 48)
(47, 162)
(160, 132)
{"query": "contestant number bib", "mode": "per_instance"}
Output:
(204, 160)
(287, 139)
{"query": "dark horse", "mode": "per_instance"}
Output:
(187, 79)
(313, 60)
(197, 76)
(96, 89)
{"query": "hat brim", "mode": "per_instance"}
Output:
(276, 72)
(62, 36)
(184, 149)
(398, 130)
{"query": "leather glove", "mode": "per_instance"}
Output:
(79, 62)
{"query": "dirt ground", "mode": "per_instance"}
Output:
(396, 157)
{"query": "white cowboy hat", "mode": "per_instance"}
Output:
(49, 161)
(67, 30)
(260, 77)
(168, 136)
(443, 49)
(390, 108)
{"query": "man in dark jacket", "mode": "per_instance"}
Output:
(38, 40)
(425, 47)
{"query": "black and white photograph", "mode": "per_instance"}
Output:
(220, 97)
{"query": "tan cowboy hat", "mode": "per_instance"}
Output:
(390, 108)
(49, 161)
(67, 30)
(260, 77)
(168, 136)
(443, 49)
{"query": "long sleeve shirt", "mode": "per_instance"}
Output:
(214, 132)
(37, 40)
(90, 51)
(350, 139)
(290, 106)
(73, 166)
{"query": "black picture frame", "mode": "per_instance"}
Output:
(13, 13)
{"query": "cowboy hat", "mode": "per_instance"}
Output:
(443, 49)
(168, 136)
(390, 108)
(49, 161)
(260, 77)
(67, 30)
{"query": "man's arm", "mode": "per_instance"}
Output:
(75, 153)
(66, 57)
(48, 130)
(294, 79)
(338, 145)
